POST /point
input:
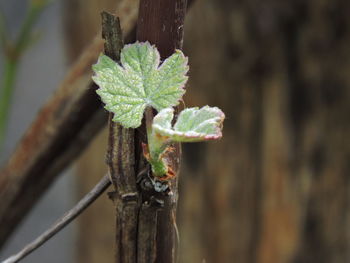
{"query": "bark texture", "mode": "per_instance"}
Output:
(161, 22)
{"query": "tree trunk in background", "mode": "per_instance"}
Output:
(276, 187)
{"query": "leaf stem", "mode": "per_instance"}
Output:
(149, 120)
(156, 146)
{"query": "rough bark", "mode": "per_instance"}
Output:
(121, 161)
(161, 23)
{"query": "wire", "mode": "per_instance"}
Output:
(68, 217)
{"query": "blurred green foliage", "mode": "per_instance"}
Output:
(12, 51)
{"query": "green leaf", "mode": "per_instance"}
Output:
(140, 81)
(192, 125)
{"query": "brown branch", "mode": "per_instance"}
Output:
(68, 217)
(147, 233)
(60, 132)
(161, 23)
(121, 160)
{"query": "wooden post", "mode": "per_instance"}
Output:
(161, 23)
(121, 160)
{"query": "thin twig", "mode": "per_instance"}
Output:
(68, 217)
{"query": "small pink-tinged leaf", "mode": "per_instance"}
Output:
(192, 125)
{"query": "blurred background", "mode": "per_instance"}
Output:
(275, 188)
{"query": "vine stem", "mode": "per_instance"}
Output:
(149, 119)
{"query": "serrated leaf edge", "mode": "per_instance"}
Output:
(147, 101)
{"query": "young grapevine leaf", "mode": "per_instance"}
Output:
(192, 125)
(139, 81)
